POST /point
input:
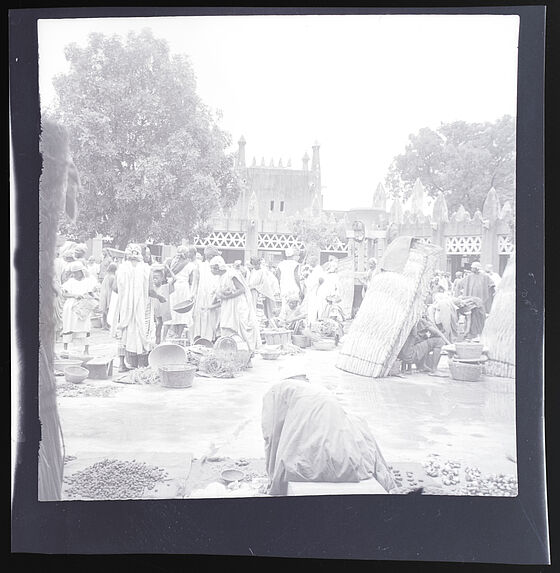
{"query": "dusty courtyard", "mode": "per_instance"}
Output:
(194, 433)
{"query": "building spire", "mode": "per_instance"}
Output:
(241, 152)
(380, 198)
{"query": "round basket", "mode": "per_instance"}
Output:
(184, 306)
(270, 354)
(301, 340)
(231, 475)
(167, 353)
(177, 375)
(468, 350)
(277, 337)
(75, 374)
(324, 344)
(465, 371)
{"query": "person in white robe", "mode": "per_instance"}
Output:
(80, 300)
(132, 316)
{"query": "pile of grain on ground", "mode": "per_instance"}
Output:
(114, 479)
(69, 390)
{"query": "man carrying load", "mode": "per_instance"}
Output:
(423, 346)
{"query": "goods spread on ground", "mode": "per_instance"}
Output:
(499, 330)
(113, 479)
(96, 390)
(393, 303)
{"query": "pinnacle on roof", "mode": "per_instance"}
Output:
(440, 213)
(491, 207)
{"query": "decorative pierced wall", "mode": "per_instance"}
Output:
(277, 242)
(337, 246)
(505, 245)
(463, 245)
(222, 240)
(425, 240)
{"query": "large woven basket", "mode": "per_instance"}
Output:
(465, 371)
(177, 375)
(277, 337)
(468, 350)
(301, 340)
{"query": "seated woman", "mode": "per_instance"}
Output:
(292, 316)
(423, 346)
(333, 311)
(310, 438)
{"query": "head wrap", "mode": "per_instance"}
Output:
(76, 266)
(211, 251)
(219, 262)
(80, 249)
(289, 252)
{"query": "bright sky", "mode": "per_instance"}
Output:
(359, 85)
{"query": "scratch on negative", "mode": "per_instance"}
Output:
(251, 552)
(534, 528)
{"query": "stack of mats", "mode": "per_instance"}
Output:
(394, 302)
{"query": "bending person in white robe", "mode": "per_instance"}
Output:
(237, 313)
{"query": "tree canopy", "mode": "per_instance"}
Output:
(463, 160)
(152, 159)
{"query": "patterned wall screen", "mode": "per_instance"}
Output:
(337, 246)
(277, 242)
(505, 245)
(222, 240)
(463, 245)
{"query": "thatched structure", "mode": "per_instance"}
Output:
(393, 303)
(499, 330)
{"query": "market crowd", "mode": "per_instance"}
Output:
(192, 297)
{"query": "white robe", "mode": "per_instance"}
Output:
(71, 322)
(132, 308)
(312, 300)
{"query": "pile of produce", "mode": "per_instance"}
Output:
(114, 479)
(475, 483)
(69, 390)
(144, 376)
(221, 367)
(326, 328)
(491, 485)
(499, 330)
(393, 303)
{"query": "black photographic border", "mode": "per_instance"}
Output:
(394, 528)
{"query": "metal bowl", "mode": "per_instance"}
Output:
(75, 374)
(184, 306)
(167, 353)
(232, 475)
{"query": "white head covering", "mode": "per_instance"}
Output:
(219, 262)
(76, 266)
(289, 252)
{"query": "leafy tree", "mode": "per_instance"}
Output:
(151, 157)
(314, 230)
(464, 160)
